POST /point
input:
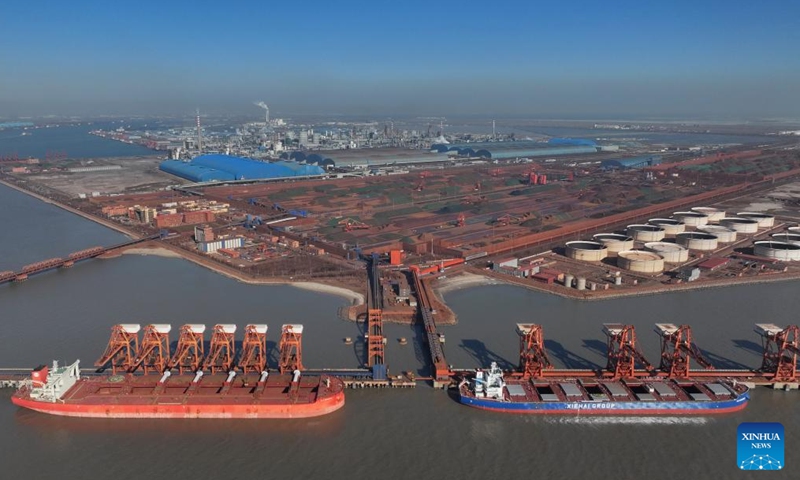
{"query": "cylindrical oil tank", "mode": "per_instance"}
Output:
(617, 280)
(586, 251)
(697, 240)
(581, 283)
(778, 250)
(691, 219)
(614, 242)
(568, 278)
(640, 261)
(787, 237)
(670, 252)
(741, 225)
(714, 214)
(671, 226)
(646, 233)
(764, 220)
(723, 234)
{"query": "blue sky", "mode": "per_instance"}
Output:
(700, 58)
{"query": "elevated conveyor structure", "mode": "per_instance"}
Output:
(441, 370)
(52, 263)
(374, 337)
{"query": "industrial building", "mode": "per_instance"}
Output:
(365, 157)
(518, 149)
(228, 243)
(635, 162)
(213, 167)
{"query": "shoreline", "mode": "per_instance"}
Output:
(460, 280)
(485, 280)
(74, 211)
(354, 297)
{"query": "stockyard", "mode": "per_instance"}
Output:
(511, 221)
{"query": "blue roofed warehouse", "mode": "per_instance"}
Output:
(214, 167)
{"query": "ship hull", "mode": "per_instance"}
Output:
(144, 397)
(609, 408)
(251, 411)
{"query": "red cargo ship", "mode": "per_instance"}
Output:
(223, 393)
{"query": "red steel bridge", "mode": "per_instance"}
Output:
(70, 260)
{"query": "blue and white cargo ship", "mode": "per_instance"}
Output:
(490, 391)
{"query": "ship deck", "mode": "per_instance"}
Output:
(639, 390)
(210, 390)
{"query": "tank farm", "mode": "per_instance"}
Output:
(221, 371)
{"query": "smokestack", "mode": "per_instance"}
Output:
(266, 110)
(199, 134)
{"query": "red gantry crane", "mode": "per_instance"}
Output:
(623, 352)
(253, 357)
(532, 354)
(781, 347)
(291, 348)
(153, 353)
(221, 350)
(677, 349)
(375, 338)
(189, 352)
(122, 348)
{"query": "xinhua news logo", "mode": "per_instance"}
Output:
(760, 446)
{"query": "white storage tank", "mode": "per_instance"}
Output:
(764, 220)
(787, 237)
(714, 214)
(640, 261)
(581, 285)
(614, 242)
(691, 219)
(568, 278)
(697, 240)
(586, 251)
(671, 226)
(723, 234)
(741, 225)
(777, 250)
(670, 252)
(646, 233)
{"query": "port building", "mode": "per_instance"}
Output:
(628, 163)
(518, 149)
(214, 167)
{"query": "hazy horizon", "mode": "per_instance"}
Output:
(703, 60)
